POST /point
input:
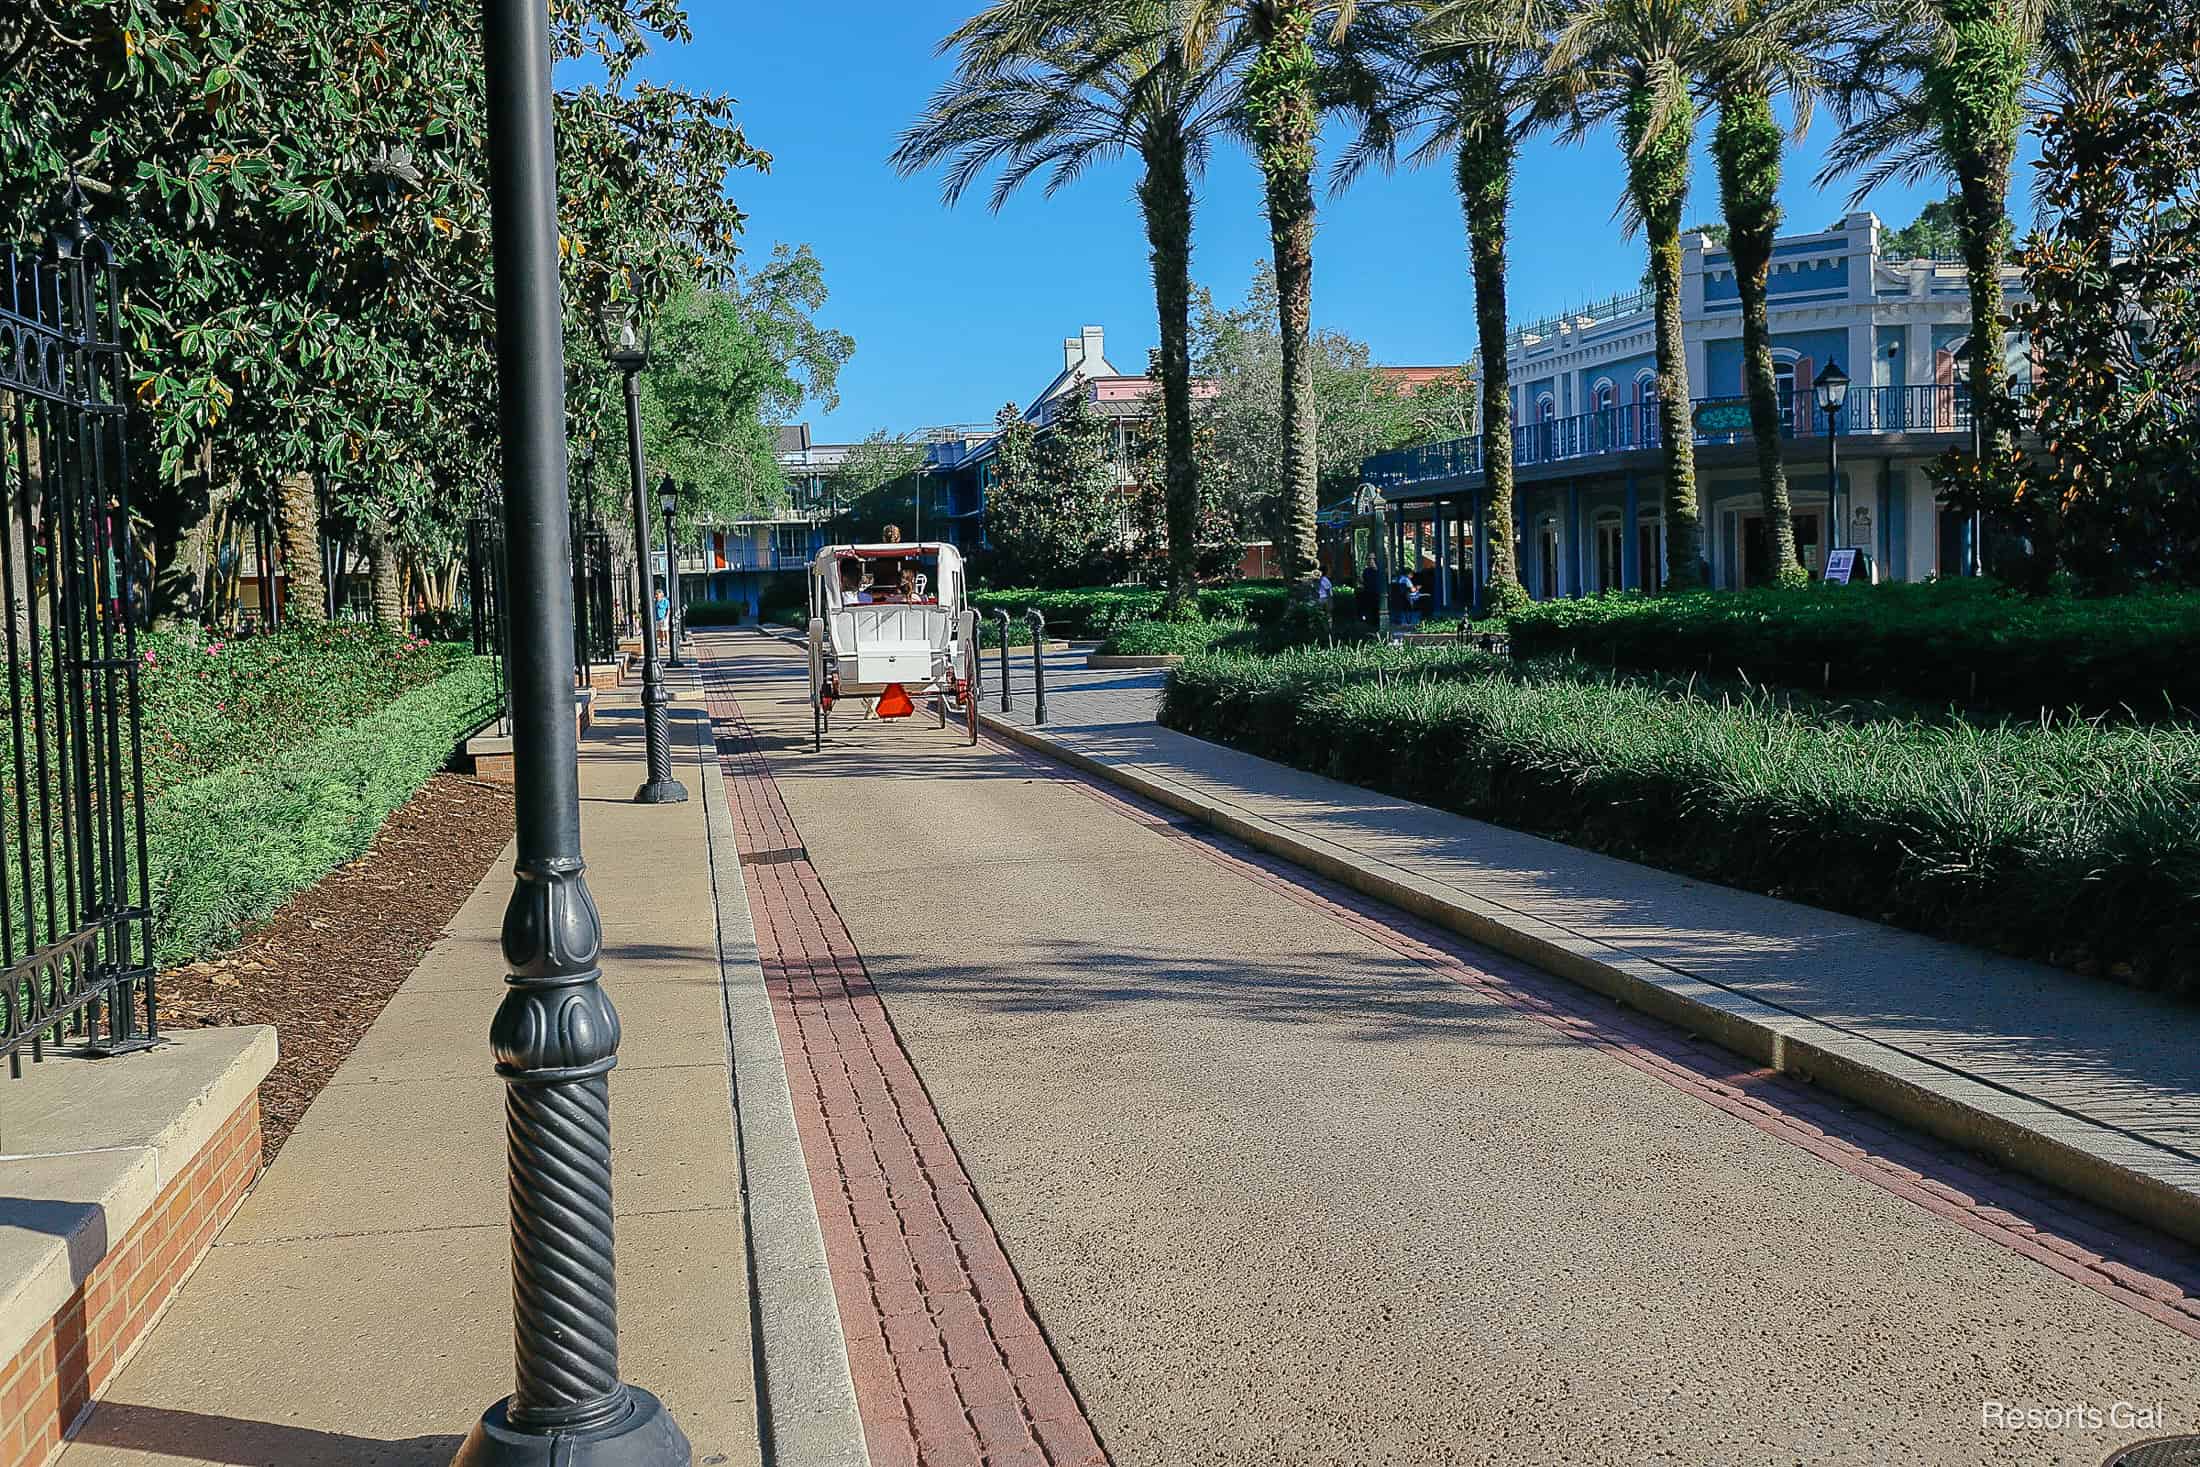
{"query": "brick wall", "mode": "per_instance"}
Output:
(74, 1355)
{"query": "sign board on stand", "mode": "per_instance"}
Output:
(1840, 565)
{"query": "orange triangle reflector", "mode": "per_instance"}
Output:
(894, 702)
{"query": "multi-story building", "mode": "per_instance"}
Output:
(1589, 460)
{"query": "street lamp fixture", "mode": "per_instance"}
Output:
(628, 350)
(555, 1035)
(668, 500)
(1832, 389)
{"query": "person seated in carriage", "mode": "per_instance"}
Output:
(854, 590)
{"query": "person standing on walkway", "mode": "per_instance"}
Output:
(663, 609)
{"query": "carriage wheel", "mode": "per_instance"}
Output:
(972, 662)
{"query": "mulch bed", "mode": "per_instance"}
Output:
(322, 968)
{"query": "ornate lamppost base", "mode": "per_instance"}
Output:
(661, 792)
(644, 1435)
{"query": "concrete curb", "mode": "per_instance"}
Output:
(1127, 659)
(805, 1395)
(2110, 1167)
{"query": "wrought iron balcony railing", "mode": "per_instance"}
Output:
(1717, 420)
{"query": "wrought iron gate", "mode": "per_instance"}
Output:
(75, 922)
(488, 618)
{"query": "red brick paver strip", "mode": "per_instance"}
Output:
(2146, 1271)
(950, 1366)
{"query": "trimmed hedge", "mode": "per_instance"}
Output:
(228, 848)
(1965, 641)
(1095, 612)
(2072, 842)
(712, 612)
(1174, 638)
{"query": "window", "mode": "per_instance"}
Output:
(791, 543)
(1609, 568)
(1783, 385)
(1650, 550)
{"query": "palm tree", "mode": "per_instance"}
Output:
(1464, 72)
(1282, 105)
(1632, 59)
(298, 514)
(1759, 49)
(1056, 86)
(1938, 87)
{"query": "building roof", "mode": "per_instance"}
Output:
(792, 438)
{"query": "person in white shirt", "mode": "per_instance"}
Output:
(852, 590)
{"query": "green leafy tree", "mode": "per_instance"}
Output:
(1056, 86)
(729, 366)
(1632, 61)
(1464, 74)
(1239, 355)
(1935, 233)
(877, 485)
(298, 199)
(1053, 516)
(2114, 499)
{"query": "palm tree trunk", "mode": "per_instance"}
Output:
(1977, 99)
(305, 595)
(388, 584)
(1746, 144)
(1485, 168)
(1279, 96)
(1983, 192)
(1657, 169)
(1165, 195)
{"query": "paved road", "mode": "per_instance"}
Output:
(1289, 1179)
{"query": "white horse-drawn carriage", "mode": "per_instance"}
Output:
(891, 625)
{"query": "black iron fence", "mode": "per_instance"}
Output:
(75, 923)
(488, 618)
(595, 634)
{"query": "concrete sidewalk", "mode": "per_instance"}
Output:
(357, 1309)
(2083, 1083)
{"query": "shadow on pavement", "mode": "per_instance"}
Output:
(195, 1437)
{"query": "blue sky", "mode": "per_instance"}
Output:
(956, 311)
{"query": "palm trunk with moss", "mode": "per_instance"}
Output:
(1485, 169)
(1165, 196)
(1746, 144)
(305, 597)
(1977, 99)
(1279, 98)
(387, 579)
(1657, 177)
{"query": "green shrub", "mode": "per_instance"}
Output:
(1079, 615)
(1173, 638)
(212, 702)
(2069, 841)
(228, 848)
(1961, 641)
(785, 599)
(1096, 611)
(711, 612)
(1259, 602)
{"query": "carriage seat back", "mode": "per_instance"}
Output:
(890, 643)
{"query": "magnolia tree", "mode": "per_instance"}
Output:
(2113, 313)
(1054, 515)
(297, 194)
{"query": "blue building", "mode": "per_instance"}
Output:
(1588, 460)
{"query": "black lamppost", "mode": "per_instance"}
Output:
(668, 499)
(555, 1034)
(1832, 388)
(630, 354)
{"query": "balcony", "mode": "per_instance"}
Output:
(1869, 412)
(745, 560)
